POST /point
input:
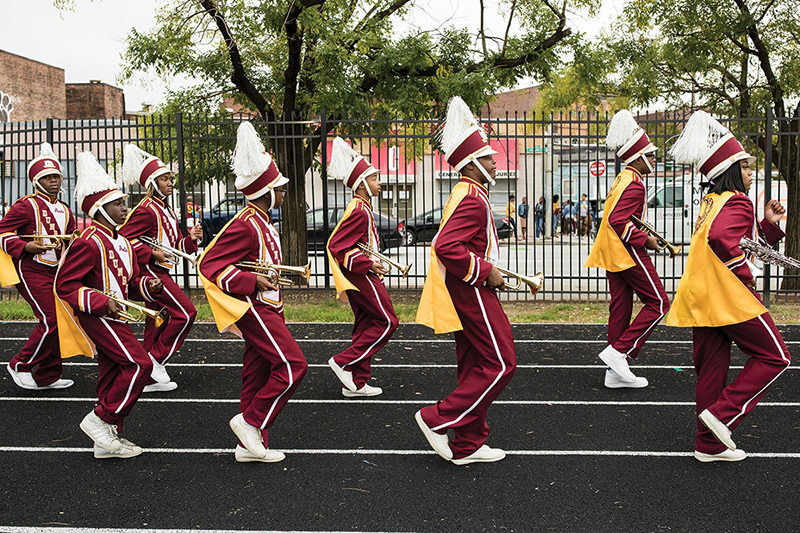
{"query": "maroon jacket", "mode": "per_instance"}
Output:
(631, 202)
(358, 227)
(103, 260)
(34, 214)
(155, 219)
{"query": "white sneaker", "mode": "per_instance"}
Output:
(102, 433)
(720, 430)
(618, 362)
(484, 454)
(249, 435)
(344, 376)
(159, 372)
(439, 443)
(243, 455)
(366, 390)
(22, 379)
(126, 451)
(59, 384)
(160, 387)
(613, 381)
(727, 455)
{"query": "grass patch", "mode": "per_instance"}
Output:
(406, 309)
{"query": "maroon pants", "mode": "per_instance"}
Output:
(273, 366)
(162, 342)
(40, 355)
(760, 340)
(626, 336)
(486, 363)
(123, 364)
(375, 323)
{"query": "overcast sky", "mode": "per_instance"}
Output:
(88, 43)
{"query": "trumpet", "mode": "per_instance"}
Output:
(768, 255)
(534, 283)
(386, 260)
(39, 237)
(272, 272)
(662, 242)
(174, 253)
(135, 313)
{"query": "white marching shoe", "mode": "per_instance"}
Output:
(159, 372)
(727, 455)
(22, 379)
(618, 362)
(613, 381)
(439, 443)
(102, 433)
(484, 454)
(720, 430)
(344, 376)
(126, 451)
(366, 390)
(243, 455)
(249, 436)
(160, 387)
(58, 384)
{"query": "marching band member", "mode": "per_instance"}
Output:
(716, 295)
(97, 264)
(30, 265)
(460, 296)
(154, 218)
(621, 249)
(249, 304)
(358, 278)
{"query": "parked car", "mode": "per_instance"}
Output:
(390, 230)
(423, 227)
(215, 219)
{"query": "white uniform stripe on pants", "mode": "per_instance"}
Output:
(388, 325)
(278, 349)
(660, 304)
(128, 355)
(174, 347)
(41, 313)
(783, 356)
(499, 358)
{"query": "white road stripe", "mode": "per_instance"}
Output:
(358, 451)
(386, 402)
(424, 341)
(39, 529)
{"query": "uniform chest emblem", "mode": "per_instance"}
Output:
(705, 210)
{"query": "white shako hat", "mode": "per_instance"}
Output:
(709, 145)
(141, 167)
(94, 188)
(44, 164)
(462, 138)
(256, 172)
(347, 164)
(627, 137)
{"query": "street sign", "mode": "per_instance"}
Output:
(597, 168)
(538, 149)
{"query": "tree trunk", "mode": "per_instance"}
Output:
(787, 159)
(290, 156)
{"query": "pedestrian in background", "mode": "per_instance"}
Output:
(510, 212)
(538, 217)
(523, 218)
(556, 214)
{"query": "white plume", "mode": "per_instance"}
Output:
(459, 119)
(342, 157)
(621, 129)
(45, 150)
(699, 134)
(249, 158)
(133, 160)
(91, 177)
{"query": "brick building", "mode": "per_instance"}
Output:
(31, 90)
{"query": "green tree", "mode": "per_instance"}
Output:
(288, 59)
(734, 57)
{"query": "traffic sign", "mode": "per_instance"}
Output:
(597, 168)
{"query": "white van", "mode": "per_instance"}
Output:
(672, 207)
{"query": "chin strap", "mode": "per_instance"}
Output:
(103, 212)
(152, 183)
(483, 171)
(271, 199)
(366, 186)
(647, 162)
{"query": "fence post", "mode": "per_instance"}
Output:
(49, 131)
(768, 194)
(182, 189)
(323, 126)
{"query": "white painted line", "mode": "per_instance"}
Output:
(346, 401)
(358, 451)
(39, 529)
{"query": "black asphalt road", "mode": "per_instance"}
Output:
(577, 451)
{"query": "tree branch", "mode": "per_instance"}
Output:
(238, 77)
(381, 15)
(508, 26)
(483, 31)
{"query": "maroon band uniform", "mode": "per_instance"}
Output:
(35, 214)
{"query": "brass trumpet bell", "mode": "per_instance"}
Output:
(134, 312)
(661, 241)
(385, 259)
(272, 271)
(534, 283)
(37, 237)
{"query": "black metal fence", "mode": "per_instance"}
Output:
(560, 160)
